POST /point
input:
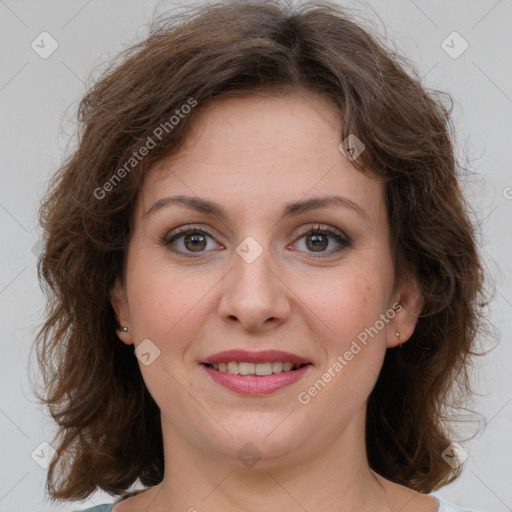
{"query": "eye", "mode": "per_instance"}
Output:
(188, 240)
(318, 239)
(194, 240)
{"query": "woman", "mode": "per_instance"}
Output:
(263, 278)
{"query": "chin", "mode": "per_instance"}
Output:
(265, 443)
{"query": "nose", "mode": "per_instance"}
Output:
(253, 295)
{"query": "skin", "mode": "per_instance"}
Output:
(252, 155)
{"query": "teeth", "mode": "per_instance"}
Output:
(277, 367)
(246, 368)
(242, 368)
(233, 368)
(263, 368)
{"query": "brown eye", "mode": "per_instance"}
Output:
(318, 242)
(194, 242)
(318, 239)
(188, 240)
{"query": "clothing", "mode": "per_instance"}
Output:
(444, 506)
(99, 508)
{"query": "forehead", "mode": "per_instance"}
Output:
(265, 149)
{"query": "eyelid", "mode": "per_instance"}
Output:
(322, 228)
(183, 230)
(343, 240)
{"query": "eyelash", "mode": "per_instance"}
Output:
(344, 241)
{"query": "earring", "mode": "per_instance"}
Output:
(124, 329)
(397, 334)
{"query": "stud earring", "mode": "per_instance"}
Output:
(124, 329)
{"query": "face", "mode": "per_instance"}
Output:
(315, 282)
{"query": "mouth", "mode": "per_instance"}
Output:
(256, 369)
(267, 373)
(255, 373)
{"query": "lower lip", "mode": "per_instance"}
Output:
(253, 385)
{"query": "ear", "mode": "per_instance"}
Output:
(407, 305)
(119, 302)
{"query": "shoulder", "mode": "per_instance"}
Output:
(108, 507)
(99, 508)
(446, 506)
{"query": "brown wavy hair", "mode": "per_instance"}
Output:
(109, 433)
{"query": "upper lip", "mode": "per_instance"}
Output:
(263, 356)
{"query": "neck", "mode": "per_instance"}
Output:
(336, 478)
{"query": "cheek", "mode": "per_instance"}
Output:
(349, 308)
(345, 304)
(167, 307)
(165, 304)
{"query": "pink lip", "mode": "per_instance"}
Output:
(255, 385)
(255, 357)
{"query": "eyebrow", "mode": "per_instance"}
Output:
(290, 209)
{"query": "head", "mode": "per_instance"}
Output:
(247, 107)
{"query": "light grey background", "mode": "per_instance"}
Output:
(38, 98)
